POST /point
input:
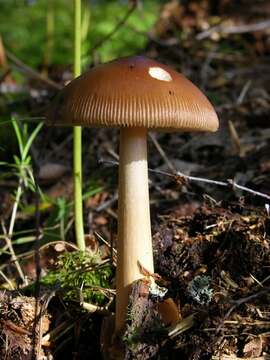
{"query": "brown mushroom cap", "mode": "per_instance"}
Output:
(133, 92)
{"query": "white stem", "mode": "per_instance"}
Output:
(134, 243)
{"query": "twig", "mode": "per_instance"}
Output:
(91, 308)
(243, 92)
(56, 148)
(40, 310)
(234, 29)
(116, 28)
(235, 138)
(162, 153)
(59, 331)
(182, 326)
(206, 68)
(107, 203)
(110, 246)
(229, 183)
(30, 253)
(112, 152)
(105, 242)
(264, 280)
(33, 73)
(7, 280)
(240, 302)
(244, 188)
(166, 43)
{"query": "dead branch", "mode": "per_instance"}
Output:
(116, 28)
(178, 175)
(162, 152)
(224, 28)
(242, 301)
(31, 72)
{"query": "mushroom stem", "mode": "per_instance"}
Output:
(134, 242)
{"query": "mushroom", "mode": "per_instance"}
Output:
(134, 94)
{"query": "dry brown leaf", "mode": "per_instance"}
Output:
(253, 347)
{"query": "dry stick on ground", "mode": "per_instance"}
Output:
(91, 308)
(241, 301)
(232, 129)
(31, 72)
(164, 157)
(178, 175)
(162, 152)
(206, 69)
(243, 92)
(224, 28)
(116, 28)
(7, 280)
(235, 138)
(30, 253)
(58, 331)
(229, 182)
(56, 148)
(114, 251)
(107, 203)
(165, 43)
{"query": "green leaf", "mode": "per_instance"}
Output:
(30, 140)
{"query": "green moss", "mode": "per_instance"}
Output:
(81, 277)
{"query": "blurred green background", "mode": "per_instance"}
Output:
(40, 32)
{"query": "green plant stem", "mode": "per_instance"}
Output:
(10, 232)
(77, 136)
(50, 34)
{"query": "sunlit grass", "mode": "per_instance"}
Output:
(27, 40)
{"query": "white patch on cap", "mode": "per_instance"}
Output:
(160, 74)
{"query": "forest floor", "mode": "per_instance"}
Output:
(209, 206)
